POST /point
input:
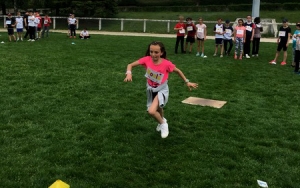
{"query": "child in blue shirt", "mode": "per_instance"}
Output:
(228, 37)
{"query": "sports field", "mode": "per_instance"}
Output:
(65, 113)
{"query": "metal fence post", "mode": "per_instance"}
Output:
(100, 24)
(77, 24)
(144, 25)
(168, 25)
(122, 24)
(54, 23)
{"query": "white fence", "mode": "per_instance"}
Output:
(168, 24)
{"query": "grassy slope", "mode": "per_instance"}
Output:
(66, 114)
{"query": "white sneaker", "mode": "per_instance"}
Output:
(256, 55)
(164, 130)
(221, 55)
(215, 55)
(32, 40)
(29, 40)
(21, 39)
(18, 39)
(204, 56)
(158, 128)
(198, 54)
(247, 56)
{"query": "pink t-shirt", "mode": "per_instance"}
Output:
(240, 31)
(156, 74)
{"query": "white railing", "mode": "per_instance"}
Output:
(272, 26)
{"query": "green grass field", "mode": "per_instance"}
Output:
(66, 114)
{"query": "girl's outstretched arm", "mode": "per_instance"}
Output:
(128, 72)
(189, 84)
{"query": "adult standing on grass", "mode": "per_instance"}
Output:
(31, 26)
(20, 26)
(157, 73)
(249, 36)
(180, 28)
(10, 24)
(283, 41)
(47, 21)
(73, 22)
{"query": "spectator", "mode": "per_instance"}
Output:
(10, 24)
(249, 36)
(26, 24)
(47, 22)
(228, 37)
(84, 34)
(219, 31)
(256, 37)
(283, 40)
(201, 37)
(180, 28)
(20, 26)
(31, 26)
(191, 32)
(73, 22)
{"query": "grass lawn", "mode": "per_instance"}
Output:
(66, 114)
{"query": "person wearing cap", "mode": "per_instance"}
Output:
(250, 26)
(10, 24)
(228, 37)
(19, 26)
(283, 40)
(295, 35)
(296, 43)
(191, 32)
(256, 37)
(219, 31)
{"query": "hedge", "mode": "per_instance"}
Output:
(214, 8)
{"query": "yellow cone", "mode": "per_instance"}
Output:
(59, 184)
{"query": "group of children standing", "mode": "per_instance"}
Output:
(243, 33)
(32, 22)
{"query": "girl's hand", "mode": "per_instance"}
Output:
(128, 78)
(191, 85)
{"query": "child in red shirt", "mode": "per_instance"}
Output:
(180, 28)
(157, 73)
(47, 22)
(191, 32)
